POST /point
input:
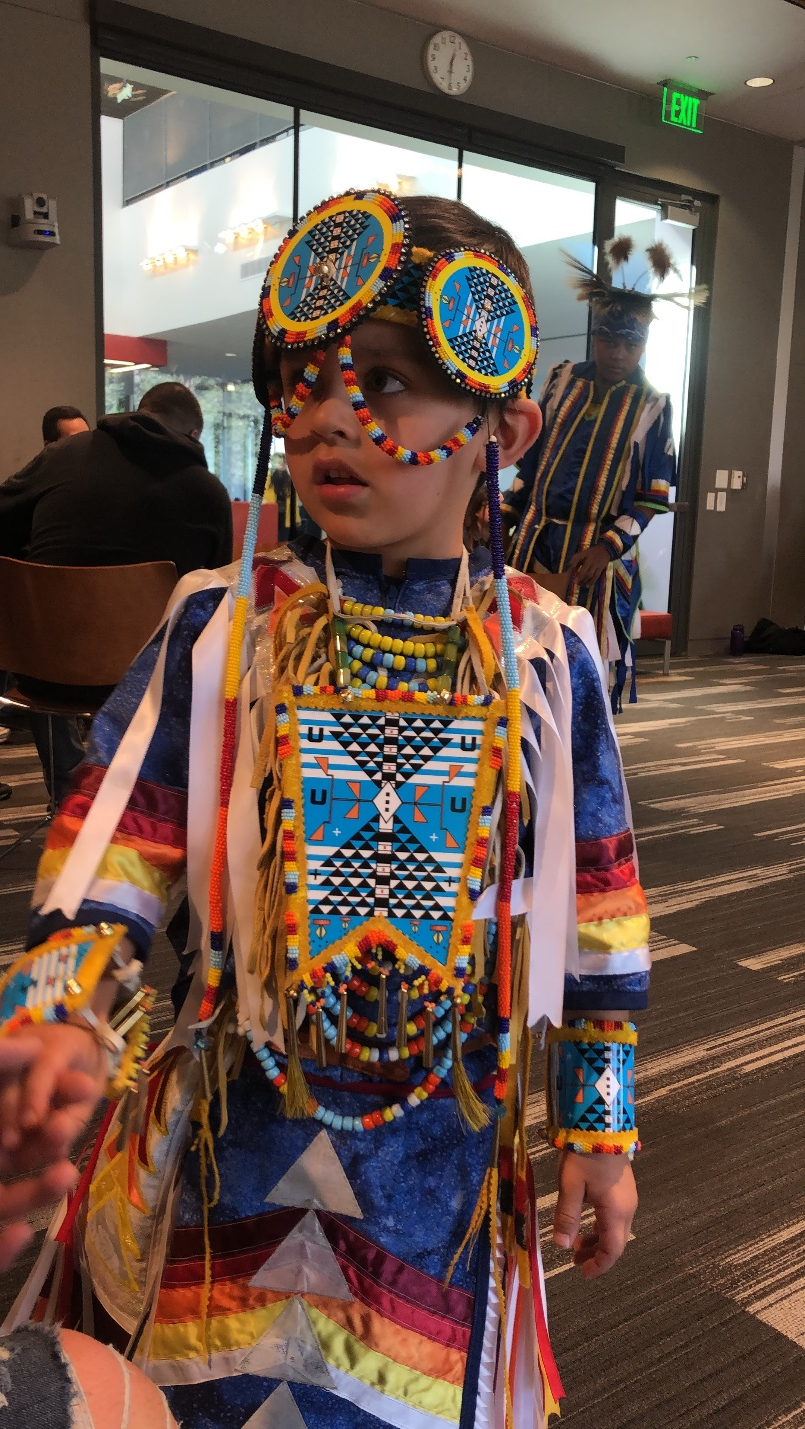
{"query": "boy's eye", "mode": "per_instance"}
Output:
(382, 382)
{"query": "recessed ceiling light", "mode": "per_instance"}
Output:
(760, 83)
(230, 354)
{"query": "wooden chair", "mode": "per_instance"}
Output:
(658, 625)
(75, 626)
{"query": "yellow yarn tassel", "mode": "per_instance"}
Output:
(482, 1207)
(205, 1145)
(297, 1092)
(499, 1291)
(469, 1105)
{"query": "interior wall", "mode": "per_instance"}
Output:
(47, 299)
(788, 605)
(749, 172)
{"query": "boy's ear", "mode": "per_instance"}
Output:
(519, 426)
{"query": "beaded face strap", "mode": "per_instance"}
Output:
(348, 258)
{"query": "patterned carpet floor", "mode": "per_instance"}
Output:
(703, 1321)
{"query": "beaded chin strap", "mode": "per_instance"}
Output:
(347, 260)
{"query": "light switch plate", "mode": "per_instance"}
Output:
(721, 501)
(722, 480)
(711, 501)
(738, 480)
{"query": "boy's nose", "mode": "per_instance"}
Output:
(333, 414)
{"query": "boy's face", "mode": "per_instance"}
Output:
(363, 499)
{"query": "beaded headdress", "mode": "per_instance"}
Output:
(625, 313)
(348, 259)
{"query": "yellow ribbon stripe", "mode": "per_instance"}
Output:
(614, 935)
(119, 863)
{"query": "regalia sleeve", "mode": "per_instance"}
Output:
(147, 851)
(651, 475)
(613, 921)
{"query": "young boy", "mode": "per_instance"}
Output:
(320, 1210)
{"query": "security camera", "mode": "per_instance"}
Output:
(33, 222)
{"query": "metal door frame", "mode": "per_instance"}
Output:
(651, 191)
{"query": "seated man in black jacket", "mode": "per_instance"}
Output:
(136, 489)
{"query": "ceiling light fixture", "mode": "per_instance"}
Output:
(180, 257)
(230, 354)
(119, 365)
(760, 83)
(253, 231)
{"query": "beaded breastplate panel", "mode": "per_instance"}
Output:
(386, 813)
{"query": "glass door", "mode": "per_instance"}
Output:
(674, 363)
(667, 360)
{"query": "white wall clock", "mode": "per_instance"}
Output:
(448, 62)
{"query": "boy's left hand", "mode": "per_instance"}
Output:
(607, 1184)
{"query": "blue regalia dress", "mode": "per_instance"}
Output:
(302, 1273)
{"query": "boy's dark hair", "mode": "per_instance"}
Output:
(175, 405)
(442, 223)
(51, 419)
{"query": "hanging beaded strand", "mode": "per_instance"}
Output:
(378, 436)
(227, 767)
(511, 825)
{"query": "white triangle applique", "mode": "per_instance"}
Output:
(280, 1411)
(304, 1264)
(289, 1350)
(317, 1180)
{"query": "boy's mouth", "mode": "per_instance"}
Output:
(337, 479)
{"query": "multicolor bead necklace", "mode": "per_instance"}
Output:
(365, 657)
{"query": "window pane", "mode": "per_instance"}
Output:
(334, 156)
(546, 214)
(208, 174)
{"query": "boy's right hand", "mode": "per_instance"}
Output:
(47, 1101)
(28, 1192)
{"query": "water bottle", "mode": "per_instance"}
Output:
(737, 636)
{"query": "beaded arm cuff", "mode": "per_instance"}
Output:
(591, 1087)
(56, 982)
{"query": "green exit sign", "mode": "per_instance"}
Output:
(682, 109)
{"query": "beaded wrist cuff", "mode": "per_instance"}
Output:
(57, 981)
(591, 1087)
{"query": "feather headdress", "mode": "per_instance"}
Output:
(626, 310)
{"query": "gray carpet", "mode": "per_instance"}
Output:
(703, 1321)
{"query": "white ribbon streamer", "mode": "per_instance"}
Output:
(73, 883)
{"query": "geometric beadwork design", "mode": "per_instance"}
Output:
(479, 323)
(333, 268)
(595, 1085)
(387, 799)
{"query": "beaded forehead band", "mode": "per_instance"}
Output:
(347, 260)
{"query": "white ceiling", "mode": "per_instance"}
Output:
(636, 43)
